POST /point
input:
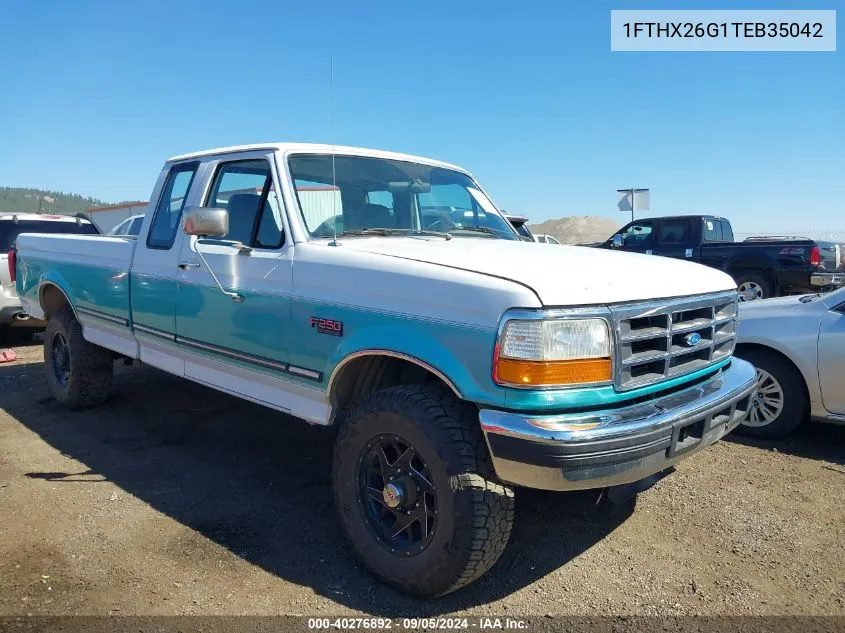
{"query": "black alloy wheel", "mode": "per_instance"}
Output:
(396, 494)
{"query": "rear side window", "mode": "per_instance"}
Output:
(674, 232)
(727, 231)
(168, 212)
(712, 230)
(245, 189)
(9, 230)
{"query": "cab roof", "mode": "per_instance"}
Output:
(317, 148)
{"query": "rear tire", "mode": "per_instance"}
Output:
(79, 373)
(782, 402)
(450, 475)
(752, 287)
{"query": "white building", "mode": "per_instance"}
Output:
(107, 217)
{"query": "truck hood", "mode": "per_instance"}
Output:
(559, 275)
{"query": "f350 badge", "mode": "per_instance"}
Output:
(327, 326)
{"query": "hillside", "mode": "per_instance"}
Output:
(577, 229)
(24, 200)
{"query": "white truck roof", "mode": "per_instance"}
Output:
(317, 148)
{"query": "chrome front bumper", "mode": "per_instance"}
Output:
(576, 451)
(822, 280)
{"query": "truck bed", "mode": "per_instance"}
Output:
(94, 273)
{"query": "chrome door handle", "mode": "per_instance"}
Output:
(187, 265)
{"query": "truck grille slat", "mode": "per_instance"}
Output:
(666, 339)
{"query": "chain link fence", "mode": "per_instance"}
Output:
(837, 237)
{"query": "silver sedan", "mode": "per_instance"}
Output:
(798, 347)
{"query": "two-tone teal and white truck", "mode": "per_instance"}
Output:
(386, 294)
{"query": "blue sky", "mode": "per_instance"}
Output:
(527, 95)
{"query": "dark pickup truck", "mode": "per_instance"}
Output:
(762, 268)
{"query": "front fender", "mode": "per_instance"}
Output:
(462, 356)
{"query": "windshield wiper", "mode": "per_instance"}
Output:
(397, 231)
(477, 229)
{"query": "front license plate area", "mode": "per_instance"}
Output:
(686, 437)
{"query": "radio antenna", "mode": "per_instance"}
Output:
(335, 192)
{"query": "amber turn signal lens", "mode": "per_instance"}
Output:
(552, 373)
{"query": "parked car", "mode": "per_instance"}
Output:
(547, 239)
(457, 360)
(761, 268)
(797, 345)
(130, 226)
(12, 225)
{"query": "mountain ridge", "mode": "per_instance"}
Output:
(577, 229)
(33, 200)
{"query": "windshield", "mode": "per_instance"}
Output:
(10, 230)
(378, 193)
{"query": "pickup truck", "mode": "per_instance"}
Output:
(761, 268)
(456, 360)
(12, 225)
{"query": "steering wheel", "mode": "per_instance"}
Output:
(440, 224)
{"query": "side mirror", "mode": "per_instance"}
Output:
(206, 222)
(617, 241)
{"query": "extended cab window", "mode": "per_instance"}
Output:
(637, 235)
(168, 213)
(245, 189)
(674, 232)
(712, 230)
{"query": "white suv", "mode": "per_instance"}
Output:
(13, 225)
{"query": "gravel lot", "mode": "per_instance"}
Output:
(175, 499)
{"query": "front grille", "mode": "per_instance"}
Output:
(665, 339)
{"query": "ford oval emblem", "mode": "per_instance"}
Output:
(692, 339)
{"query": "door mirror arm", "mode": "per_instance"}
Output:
(237, 298)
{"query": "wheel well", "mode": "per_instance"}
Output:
(52, 299)
(738, 271)
(369, 373)
(756, 347)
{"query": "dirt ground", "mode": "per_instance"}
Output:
(175, 499)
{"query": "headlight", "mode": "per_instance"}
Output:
(553, 353)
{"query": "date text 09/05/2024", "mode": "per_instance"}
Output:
(724, 29)
(418, 623)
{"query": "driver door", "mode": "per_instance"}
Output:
(239, 344)
(638, 237)
(832, 359)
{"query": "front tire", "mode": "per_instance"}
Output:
(415, 490)
(79, 373)
(781, 403)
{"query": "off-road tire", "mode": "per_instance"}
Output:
(793, 387)
(91, 366)
(475, 509)
(765, 284)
